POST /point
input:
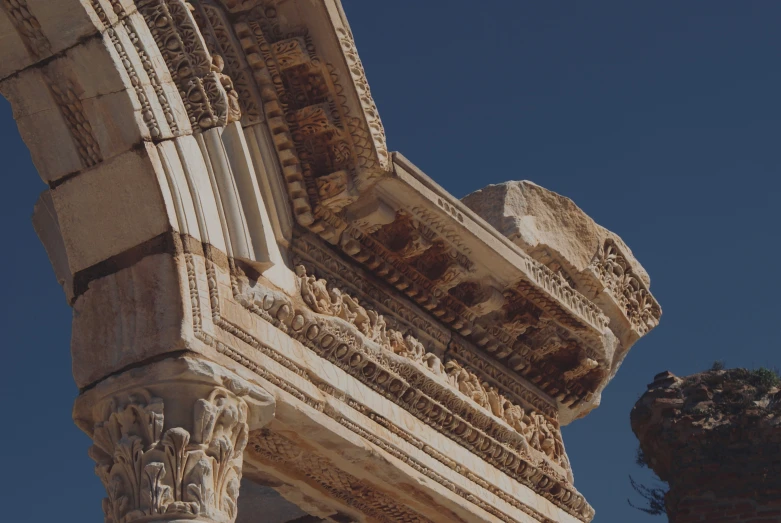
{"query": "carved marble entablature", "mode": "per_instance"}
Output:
(626, 287)
(266, 240)
(438, 254)
(505, 423)
(295, 66)
(562, 238)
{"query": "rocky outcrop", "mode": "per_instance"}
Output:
(715, 437)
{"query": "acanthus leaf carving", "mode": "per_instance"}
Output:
(151, 474)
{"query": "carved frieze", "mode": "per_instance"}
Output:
(618, 277)
(426, 373)
(399, 314)
(410, 384)
(271, 447)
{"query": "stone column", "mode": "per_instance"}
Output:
(715, 438)
(169, 440)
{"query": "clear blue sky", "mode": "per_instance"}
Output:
(660, 119)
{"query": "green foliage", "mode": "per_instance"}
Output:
(718, 365)
(764, 378)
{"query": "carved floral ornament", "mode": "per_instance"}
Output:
(327, 151)
(154, 474)
(418, 388)
(199, 78)
(399, 380)
(625, 286)
(537, 431)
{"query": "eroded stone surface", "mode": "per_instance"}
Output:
(545, 224)
(593, 260)
(715, 438)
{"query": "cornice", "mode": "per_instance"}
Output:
(412, 383)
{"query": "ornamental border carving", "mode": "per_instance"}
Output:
(361, 494)
(28, 27)
(314, 257)
(180, 41)
(370, 112)
(147, 112)
(555, 490)
(627, 289)
(497, 374)
(308, 252)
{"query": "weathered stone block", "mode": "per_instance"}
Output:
(547, 225)
(47, 226)
(34, 30)
(593, 260)
(128, 317)
(715, 438)
(111, 208)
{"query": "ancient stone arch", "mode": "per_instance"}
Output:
(262, 291)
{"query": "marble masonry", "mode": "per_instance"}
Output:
(274, 317)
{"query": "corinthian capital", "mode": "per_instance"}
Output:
(169, 442)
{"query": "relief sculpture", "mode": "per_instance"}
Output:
(400, 333)
(539, 432)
